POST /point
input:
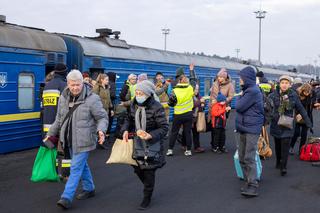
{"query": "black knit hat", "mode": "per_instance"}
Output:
(159, 73)
(179, 72)
(60, 68)
(260, 74)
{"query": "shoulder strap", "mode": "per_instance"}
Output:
(70, 113)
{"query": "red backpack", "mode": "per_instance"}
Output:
(311, 151)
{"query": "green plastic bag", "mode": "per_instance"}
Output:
(44, 167)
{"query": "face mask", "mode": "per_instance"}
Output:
(141, 99)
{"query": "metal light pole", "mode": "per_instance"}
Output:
(315, 68)
(237, 51)
(165, 32)
(260, 15)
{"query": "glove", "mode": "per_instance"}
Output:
(311, 130)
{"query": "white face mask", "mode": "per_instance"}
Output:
(141, 99)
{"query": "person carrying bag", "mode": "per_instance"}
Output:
(148, 124)
(122, 152)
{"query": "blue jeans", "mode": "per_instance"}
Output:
(79, 170)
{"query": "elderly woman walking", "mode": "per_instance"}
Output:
(147, 120)
(286, 103)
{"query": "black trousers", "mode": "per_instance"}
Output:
(282, 146)
(186, 121)
(110, 122)
(302, 131)
(147, 177)
(219, 138)
(195, 137)
(120, 122)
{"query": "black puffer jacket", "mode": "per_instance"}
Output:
(157, 125)
(295, 105)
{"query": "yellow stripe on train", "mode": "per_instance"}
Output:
(19, 116)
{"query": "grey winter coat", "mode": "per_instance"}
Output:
(89, 118)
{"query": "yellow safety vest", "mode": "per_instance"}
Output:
(132, 89)
(184, 99)
(265, 87)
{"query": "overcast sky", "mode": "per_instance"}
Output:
(290, 31)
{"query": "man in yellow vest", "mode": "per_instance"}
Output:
(182, 101)
(263, 83)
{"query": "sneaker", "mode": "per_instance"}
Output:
(187, 153)
(243, 188)
(199, 150)
(85, 195)
(169, 152)
(250, 191)
(64, 203)
(215, 150)
(224, 150)
(291, 151)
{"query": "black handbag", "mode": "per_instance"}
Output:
(146, 152)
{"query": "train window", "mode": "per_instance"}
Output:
(26, 91)
(207, 86)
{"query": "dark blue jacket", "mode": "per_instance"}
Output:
(294, 101)
(249, 105)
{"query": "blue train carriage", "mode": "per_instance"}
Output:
(104, 54)
(26, 56)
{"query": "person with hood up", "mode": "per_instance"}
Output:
(249, 121)
(147, 120)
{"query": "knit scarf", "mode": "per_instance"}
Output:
(284, 102)
(141, 121)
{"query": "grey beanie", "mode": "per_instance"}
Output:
(285, 77)
(147, 87)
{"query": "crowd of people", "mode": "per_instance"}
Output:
(83, 109)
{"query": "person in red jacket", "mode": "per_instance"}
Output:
(218, 118)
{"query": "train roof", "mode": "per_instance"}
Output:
(93, 47)
(116, 48)
(16, 36)
(276, 71)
